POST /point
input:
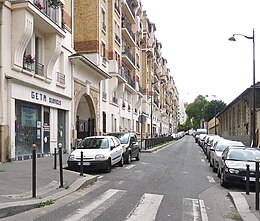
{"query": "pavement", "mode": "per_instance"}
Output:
(16, 187)
(16, 184)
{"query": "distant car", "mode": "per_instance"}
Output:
(198, 132)
(233, 165)
(217, 150)
(130, 145)
(99, 153)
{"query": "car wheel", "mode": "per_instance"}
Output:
(218, 172)
(222, 180)
(138, 156)
(128, 158)
(214, 168)
(121, 162)
(108, 166)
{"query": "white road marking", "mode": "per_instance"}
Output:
(211, 179)
(130, 166)
(203, 211)
(146, 209)
(191, 210)
(95, 208)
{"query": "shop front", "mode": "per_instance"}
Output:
(37, 117)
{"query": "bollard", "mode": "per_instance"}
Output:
(81, 163)
(257, 184)
(55, 158)
(61, 169)
(34, 170)
(247, 179)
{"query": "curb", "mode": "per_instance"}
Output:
(12, 208)
(156, 148)
(242, 206)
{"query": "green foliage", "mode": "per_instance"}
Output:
(202, 110)
(46, 203)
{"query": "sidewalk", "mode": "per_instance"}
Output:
(245, 205)
(16, 184)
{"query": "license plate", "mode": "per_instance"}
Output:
(84, 163)
(251, 179)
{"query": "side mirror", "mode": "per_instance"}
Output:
(223, 158)
(112, 147)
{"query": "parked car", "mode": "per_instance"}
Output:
(198, 132)
(211, 139)
(99, 152)
(233, 165)
(217, 150)
(130, 145)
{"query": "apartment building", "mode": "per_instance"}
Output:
(108, 33)
(71, 69)
(35, 91)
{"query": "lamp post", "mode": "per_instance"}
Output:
(254, 96)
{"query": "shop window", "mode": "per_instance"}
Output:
(27, 128)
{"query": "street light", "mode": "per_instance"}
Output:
(254, 96)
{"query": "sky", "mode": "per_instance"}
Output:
(194, 36)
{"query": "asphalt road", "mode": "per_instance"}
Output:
(172, 184)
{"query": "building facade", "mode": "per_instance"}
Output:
(71, 69)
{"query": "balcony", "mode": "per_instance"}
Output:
(114, 100)
(46, 14)
(117, 9)
(127, 33)
(117, 38)
(33, 66)
(104, 27)
(130, 81)
(129, 11)
(128, 59)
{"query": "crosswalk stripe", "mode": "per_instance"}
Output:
(98, 206)
(203, 211)
(146, 208)
(191, 210)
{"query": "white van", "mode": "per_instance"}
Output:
(198, 132)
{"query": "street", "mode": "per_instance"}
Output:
(172, 184)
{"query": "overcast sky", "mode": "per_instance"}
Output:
(194, 36)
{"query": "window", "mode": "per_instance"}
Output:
(117, 33)
(104, 121)
(103, 20)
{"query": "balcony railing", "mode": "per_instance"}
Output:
(126, 25)
(49, 8)
(104, 27)
(117, 8)
(129, 55)
(39, 68)
(130, 81)
(130, 7)
(117, 38)
(61, 78)
(33, 66)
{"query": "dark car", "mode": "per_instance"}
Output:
(233, 165)
(131, 148)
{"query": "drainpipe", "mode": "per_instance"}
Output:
(2, 78)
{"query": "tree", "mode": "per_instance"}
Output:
(214, 107)
(201, 110)
(196, 111)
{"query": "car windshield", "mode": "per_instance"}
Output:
(243, 154)
(94, 143)
(122, 137)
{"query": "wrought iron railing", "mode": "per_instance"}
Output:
(61, 78)
(117, 8)
(129, 55)
(126, 25)
(117, 38)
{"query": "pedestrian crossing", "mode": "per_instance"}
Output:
(145, 209)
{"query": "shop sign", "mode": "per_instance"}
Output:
(44, 98)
